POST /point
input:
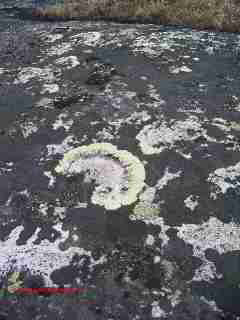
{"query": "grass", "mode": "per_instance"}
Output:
(221, 15)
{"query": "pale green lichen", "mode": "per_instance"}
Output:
(13, 282)
(119, 176)
(235, 126)
(145, 207)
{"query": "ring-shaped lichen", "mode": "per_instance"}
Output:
(118, 175)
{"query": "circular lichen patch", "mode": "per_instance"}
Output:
(117, 174)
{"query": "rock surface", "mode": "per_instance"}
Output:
(170, 97)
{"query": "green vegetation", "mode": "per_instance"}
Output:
(221, 15)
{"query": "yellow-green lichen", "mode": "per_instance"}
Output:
(14, 283)
(145, 207)
(119, 176)
(235, 126)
